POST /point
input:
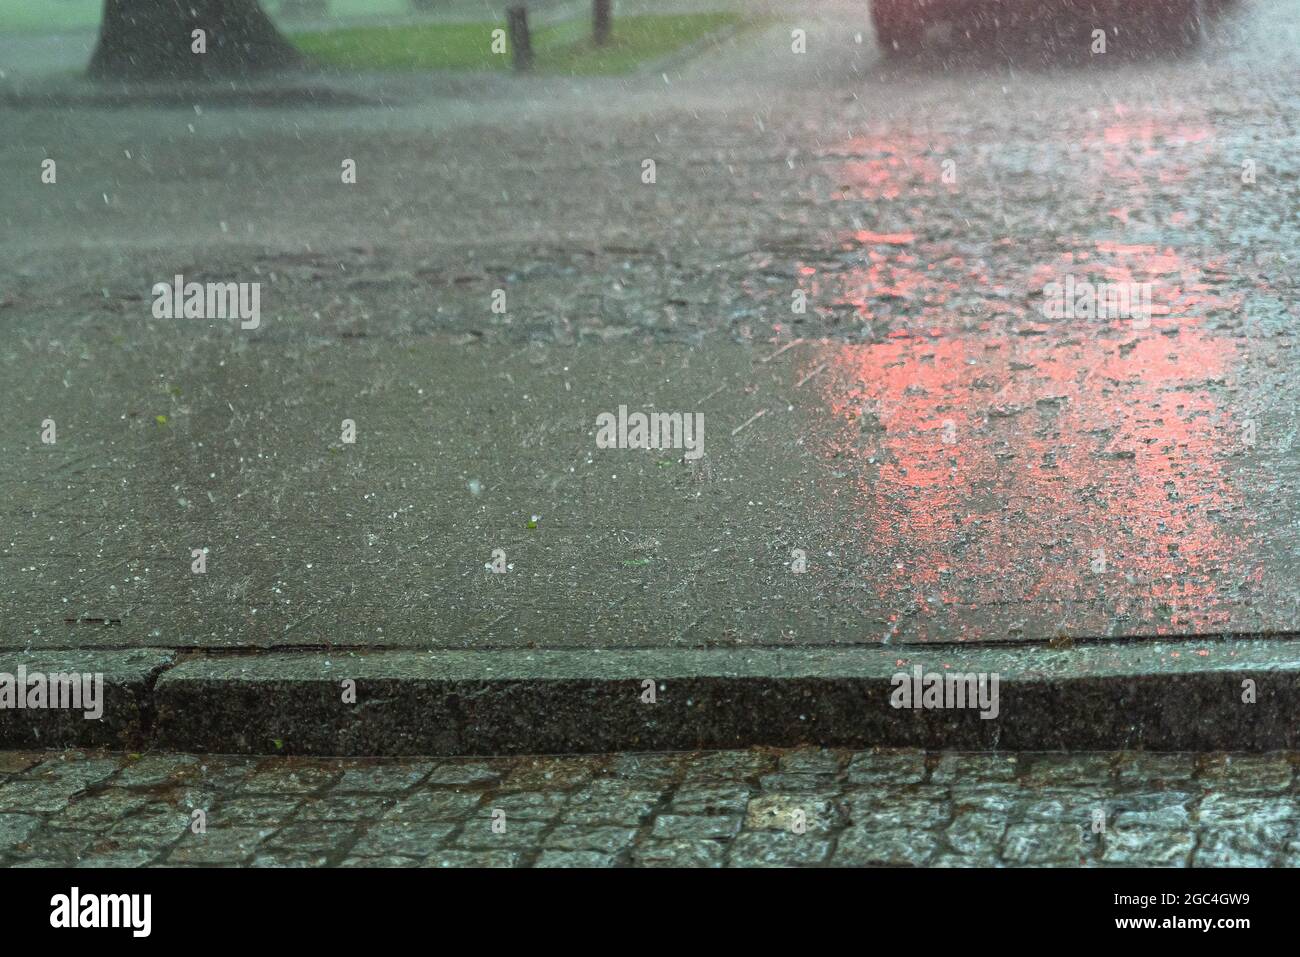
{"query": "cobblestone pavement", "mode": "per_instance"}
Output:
(735, 808)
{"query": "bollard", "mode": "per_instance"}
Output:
(521, 44)
(600, 21)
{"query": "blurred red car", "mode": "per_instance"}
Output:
(901, 24)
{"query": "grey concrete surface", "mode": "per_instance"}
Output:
(383, 543)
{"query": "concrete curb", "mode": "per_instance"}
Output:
(1155, 695)
(1185, 695)
(81, 94)
(126, 719)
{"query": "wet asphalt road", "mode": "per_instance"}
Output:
(953, 463)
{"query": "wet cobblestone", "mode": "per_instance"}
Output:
(805, 807)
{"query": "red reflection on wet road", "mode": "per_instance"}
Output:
(1011, 459)
(1134, 149)
(995, 460)
(887, 165)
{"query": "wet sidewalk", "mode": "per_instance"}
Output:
(442, 529)
(1014, 482)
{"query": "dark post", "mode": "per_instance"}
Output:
(520, 43)
(600, 21)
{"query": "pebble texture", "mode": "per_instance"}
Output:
(757, 808)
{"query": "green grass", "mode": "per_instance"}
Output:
(49, 16)
(444, 46)
(562, 48)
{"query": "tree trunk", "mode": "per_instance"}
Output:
(154, 39)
